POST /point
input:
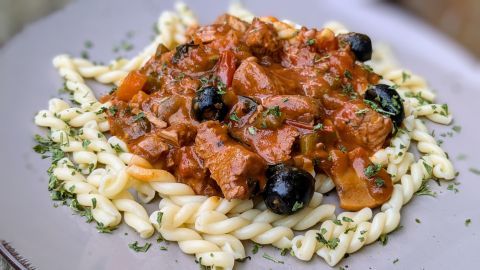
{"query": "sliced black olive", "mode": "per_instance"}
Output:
(386, 100)
(208, 105)
(360, 44)
(288, 190)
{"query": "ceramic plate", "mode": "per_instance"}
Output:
(53, 238)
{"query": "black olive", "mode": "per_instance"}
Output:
(288, 189)
(360, 44)
(208, 105)
(385, 100)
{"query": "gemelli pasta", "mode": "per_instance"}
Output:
(99, 172)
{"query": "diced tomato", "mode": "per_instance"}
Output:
(131, 85)
(226, 67)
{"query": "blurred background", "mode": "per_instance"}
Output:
(459, 19)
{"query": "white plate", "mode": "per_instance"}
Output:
(55, 239)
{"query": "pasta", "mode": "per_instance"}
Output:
(100, 173)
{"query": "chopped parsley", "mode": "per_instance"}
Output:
(474, 170)
(317, 127)
(252, 130)
(428, 168)
(348, 74)
(85, 144)
(46, 145)
(379, 182)
(457, 129)
(117, 148)
(234, 117)
(361, 112)
(347, 219)
(163, 248)
(275, 111)
(268, 257)
(221, 87)
(310, 42)
(94, 203)
(418, 221)
(383, 239)
(405, 76)
(297, 206)
(396, 260)
(159, 218)
(102, 229)
(134, 246)
(372, 170)
(88, 44)
(113, 110)
(338, 222)
(452, 187)
(255, 248)
(377, 108)
(424, 190)
(331, 244)
(467, 222)
(139, 116)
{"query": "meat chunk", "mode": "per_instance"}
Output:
(296, 108)
(275, 146)
(188, 169)
(262, 38)
(357, 190)
(150, 147)
(253, 80)
(239, 172)
(357, 124)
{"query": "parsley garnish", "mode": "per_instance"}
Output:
(347, 219)
(474, 170)
(418, 221)
(348, 74)
(117, 148)
(234, 117)
(361, 112)
(268, 257)
(138, 117)
(425, 190)
(310, 42)
(88, 44)
(255, 248)
(383, 239)
(468, 221)
(379, 182)
(159, 218)
(297, 206)
(94, 203)
(113, 110)
(138, 248)
(85, 144)
(396, 260)
(405, 76)
(317, 127)
(457, 129)
(275, 111)
(377, 108)
(102, 229)
(331, 244)
(252, 130)
(372, 170)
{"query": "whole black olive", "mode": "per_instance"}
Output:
(360, 44)
(385, 100)
(288, 190)
(208, 105)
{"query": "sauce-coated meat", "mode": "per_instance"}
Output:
(238, 96)
(238, 171)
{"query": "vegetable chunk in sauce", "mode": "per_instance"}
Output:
(297, 101)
